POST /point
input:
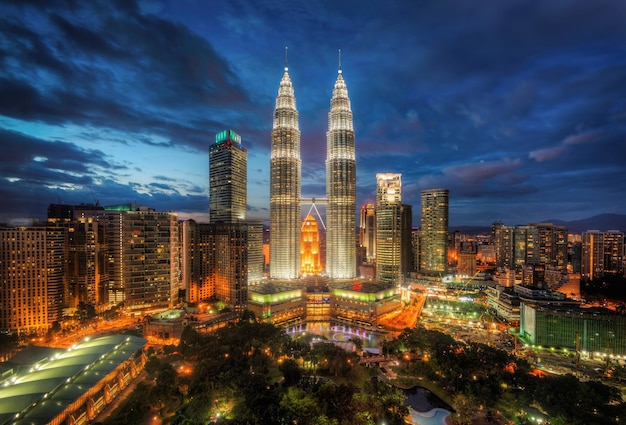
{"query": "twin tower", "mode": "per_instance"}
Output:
(285, 185)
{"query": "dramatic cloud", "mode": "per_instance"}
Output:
(515, 106)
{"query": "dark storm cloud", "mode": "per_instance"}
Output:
(114, 68)
(34, 159)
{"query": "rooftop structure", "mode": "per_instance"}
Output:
(228, 178)
(49, 385)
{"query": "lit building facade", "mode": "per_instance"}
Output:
(362, 303)
(237, 257)
(198, 248)
(407, 263)
(310, 255)
(86, 267)
(535, 243)
(602, 253)
(466, 265)
(31, 272)
(434, 231)
(229, 270)
(367, 230)
(278, 303)
(285, 185)
(228, 178)
(552, 245)
(595, 330)
(144, 261)
(85, 251)
(340, 186)
(255, 250)
(217, 260)
(388, 227)
(189, 260)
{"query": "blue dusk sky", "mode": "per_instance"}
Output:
(517, 107)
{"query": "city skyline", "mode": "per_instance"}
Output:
(516, 108)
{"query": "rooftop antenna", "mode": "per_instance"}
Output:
(340, 61)
(286, 58)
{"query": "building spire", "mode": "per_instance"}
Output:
(286, 58)
(340, 61)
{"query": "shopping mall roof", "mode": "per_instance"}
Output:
(36, 393)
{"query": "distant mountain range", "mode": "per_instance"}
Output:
(602, 222)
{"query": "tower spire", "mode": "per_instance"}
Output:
(340, 61)
(285, 184)
(286, 58)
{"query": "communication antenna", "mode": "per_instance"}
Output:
(286, 58)
(340, 61)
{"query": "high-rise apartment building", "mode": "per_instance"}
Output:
(367, 230)
(407, 264)
(525, 245)
(190, 260)
(285, 185)
(31, 272)
(85, 249)
(143, 257)
(228, 178)
(255, 250)
(602, 253)
(388, 227)
(535, 243)
(552, 245)
(86, 262)
(198, 248)
(229, 268)
(434, 231)
(340, 186)
(416, 235)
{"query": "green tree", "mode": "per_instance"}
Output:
(291, 372)
(298, 407)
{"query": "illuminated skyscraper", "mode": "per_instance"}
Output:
(285, 177)
(228, 178)
(388, 227)
(340, 186)
(434, 235)
(367, 230)
(310, 259)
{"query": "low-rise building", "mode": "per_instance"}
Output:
(282, 304)
(595, 330)
(362, 303)
(42, 385)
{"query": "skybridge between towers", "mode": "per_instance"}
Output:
(313, 202)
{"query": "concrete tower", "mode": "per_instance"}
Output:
(340, 185)
(285, 177)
